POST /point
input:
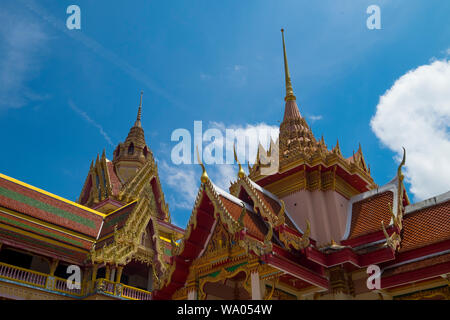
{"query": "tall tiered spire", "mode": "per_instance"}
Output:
(134, 152)
(289, 90)
(296, 138)
(138, 118)
(136, 134)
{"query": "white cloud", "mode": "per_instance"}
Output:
(223, 174)
(91, 121)
(253, 134)
(21, 44)
(315, 118)
(415, 113)
(184, 181)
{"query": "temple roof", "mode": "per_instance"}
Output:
(426, 224)
(367, 214)
(37, 203)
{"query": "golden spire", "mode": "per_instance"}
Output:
(289, 90)
(204, 178)
(241, 172)
(138, 119)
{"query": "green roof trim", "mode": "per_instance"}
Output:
(116, 219)
(232, 268)
(46, 207)
(35, 241)
(41, 231)
(229, 269)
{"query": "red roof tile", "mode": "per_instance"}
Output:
(426, 226)
(367, 214)
(251, 221)
(115, 182)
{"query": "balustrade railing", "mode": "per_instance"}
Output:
(122, 290)
(22, 275)
(135, 293)
(61, 285)
(46, 281)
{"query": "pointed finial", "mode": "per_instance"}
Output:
(289, 90)
(337, 148)
(104, 153)
(204, 178)
(399, 170)
(241, 172)
(138, 118)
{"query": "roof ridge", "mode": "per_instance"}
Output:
(439, 199)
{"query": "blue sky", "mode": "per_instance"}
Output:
(67, 94)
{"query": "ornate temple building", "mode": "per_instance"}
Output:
(119, 233)
(305, 223)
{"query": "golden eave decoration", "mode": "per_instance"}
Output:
(289, 239)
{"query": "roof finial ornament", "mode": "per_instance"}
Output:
(204, 178)
(138, 118)
(289, 90)
(241, 173)
(399, 170)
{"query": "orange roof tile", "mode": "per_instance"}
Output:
(426, 226)
(251, 221)
(115, 182)
(367, 214)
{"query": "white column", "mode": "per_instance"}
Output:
(192, 294)
(256, 286)
(112, 275)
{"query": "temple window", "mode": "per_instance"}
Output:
(145, 152)
(131, 149)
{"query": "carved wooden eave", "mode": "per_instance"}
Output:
(292, 240)
(161, 200)
(245, 244)
(126, 243)
(131, 189)
(86, 182)
(275, 218)
(320, 156)
(394, 240)
(98, 170)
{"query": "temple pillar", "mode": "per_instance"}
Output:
(192, 294)
(112, 277)
(341, 284)
(85, 280)
(256, 285)
(94, 275)
(53, 266)
(119, 273)
(107, 272)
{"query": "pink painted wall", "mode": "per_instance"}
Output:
(325, 210)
